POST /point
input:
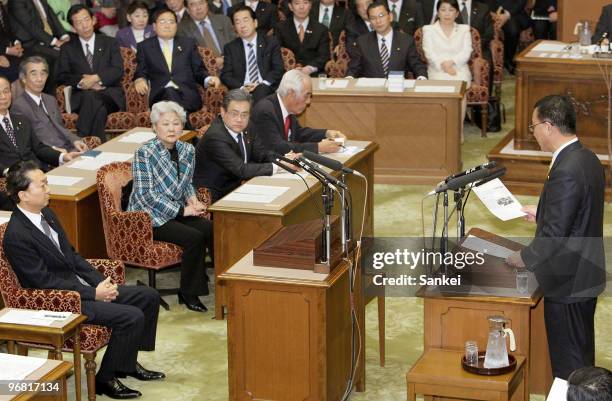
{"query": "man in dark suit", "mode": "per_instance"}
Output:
(267, 14)
(41, 256)
(39, 31)
(41, 109)
(10, 47)
(275, 122)
(305, 37)
(604, 25)
(567, 253)
(178, 8)
(253, 61)
(407, 15)
(229, 152)
(92, 65)
(385, 49)
(515, 20)
(335, 18)
(360, 24)
(172, 65)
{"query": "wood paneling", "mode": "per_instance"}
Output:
(572, 11)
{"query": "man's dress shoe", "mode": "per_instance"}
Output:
(143, 374)
(115, 389)
(192, 302)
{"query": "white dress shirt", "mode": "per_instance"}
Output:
(252, 4)
(91, 42)
(398, 7)
(303, 23)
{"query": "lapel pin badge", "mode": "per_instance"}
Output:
(179, 48)
(307, 31)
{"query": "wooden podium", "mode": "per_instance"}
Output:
(289, 332)
(451, 319)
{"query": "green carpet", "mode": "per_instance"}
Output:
(192, 348)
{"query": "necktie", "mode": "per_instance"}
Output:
(287, 125)
(43, 17)
(384, 56)
(9, 131)
(301, 33)
(252, 66)
(167, 54)
(88, 56)
(47, 230)
(209, 38)
(241, 146)
(394, 12)
(325, 21)
(464, 14)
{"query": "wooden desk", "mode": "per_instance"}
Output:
(536, 77)
(78, 207)
(239, 227)
(450, 319)
(418, 133)
(438, 373)
(50, 371)
(288, 333)
(54, 335)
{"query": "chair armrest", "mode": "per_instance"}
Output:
(203, 195)
(53, 300)
(480, 71)
(110, 268)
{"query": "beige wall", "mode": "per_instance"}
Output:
(572, 11)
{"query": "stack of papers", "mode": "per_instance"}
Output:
(17, 367)
(62, 180)
(349, 150)
(395, 82)
(256, 193)
(550, 47)
(94, 163)
(33, 317)
(336, 83)
(370, 83)
(138, 137)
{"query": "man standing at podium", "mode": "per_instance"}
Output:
(567, 254)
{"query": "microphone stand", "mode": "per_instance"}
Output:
(460, 216)
(444, 238)
(328, 204)
(345, 218)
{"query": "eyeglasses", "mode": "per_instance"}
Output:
(531, 127)
(235, 114)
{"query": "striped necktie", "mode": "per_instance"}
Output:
(325, 21)
(8, 128)
(252, 66)
(88, 56)
(384, 56)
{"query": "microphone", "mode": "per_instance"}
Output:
(319, 173)
(488, 165)
(327, 162)
(281, 165)
(459, 182)
(495, 174)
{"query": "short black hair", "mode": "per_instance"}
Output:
(161, 11)
(378, 4)
(453, 3)
(559, 111)
(75, 9)
(590, 384)
(236, 95)
(243, 7)
(5, 78)
(17, 178)
(136, 5)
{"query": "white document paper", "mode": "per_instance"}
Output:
(33, 317)
(543, 55)
(477, 244)
(349, 150)
(558, 391)
(370, 83)
(62, 180)
(496, 197)
(104, 158)
(434, 89)
(336, 83)
(4, 220)
(409, 83)
(549, 47)
(138, 137)
(17, 367)
(256, 193)
(282, 174)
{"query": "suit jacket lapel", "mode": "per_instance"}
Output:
(373, 39)
(177, 50)
(394, 52)
(261, 48)
(97, 52)
(41, 237)
(279, 113)
(230, 139)
(19, 136)
(160, 54)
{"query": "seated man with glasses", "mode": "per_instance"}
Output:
(229, 152)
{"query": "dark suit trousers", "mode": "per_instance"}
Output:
(544, 30)
(570, 330)
(12, 71)
(133, 319)
(512, 33)
(93, 109)
(261, 91)
(193, 234)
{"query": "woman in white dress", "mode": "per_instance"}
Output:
(448, 47)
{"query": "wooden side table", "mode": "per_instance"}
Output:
(51, 371)
(438, 374)
(54, 335)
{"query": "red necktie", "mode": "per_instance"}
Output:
(287, 124)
